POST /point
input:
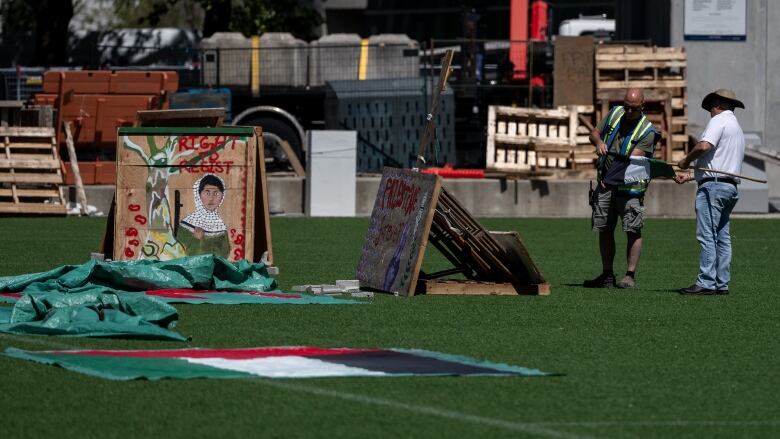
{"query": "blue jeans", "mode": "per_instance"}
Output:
(714, 203)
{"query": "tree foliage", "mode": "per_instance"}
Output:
(254, 17)
(48, 19)
(250, 17)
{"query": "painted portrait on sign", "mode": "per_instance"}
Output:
(183, 195)
(203, 230)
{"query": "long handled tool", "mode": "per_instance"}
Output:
(757, 180)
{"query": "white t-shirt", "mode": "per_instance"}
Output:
(725, 135)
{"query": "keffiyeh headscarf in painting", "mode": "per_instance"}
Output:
(208, 220)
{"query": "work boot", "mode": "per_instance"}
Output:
(627, 282)
(605, 280)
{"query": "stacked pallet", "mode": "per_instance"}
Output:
(31, 179)
(619, 67)
(527, 139)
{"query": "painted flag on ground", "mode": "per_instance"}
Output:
(197, 297)
(635, 168)
(267, 362)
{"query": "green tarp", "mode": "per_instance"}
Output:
(100, 298)
(204, 272)
(92, 314)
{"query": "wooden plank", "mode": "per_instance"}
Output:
(636, 48)
(582, 108)
(29, 145)
(629, 57)
(555, 113)
(454, 287)
(640, 65)
(573, 64)
(490, 155)
(532, 142)
(39, 193)
(30, 178)
(191, 117)
(27, 131)
(74, 167)
(430, 125)
(49, 163)
(292, 158)
(30, 156)
(39, 208)
(262, 226)
(642, 84)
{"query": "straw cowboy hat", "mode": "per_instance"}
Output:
(723, 93)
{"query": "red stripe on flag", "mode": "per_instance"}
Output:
(15, 295)
(187, 293)
(229, 354)
(181, 293)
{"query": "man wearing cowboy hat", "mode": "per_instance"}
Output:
(721, 147)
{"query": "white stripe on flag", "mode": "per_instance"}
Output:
(638, 169)
(286, 367)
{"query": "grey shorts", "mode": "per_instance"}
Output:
(608, 205)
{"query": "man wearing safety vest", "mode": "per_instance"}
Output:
(625, 131)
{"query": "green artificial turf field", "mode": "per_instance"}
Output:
(636, 364)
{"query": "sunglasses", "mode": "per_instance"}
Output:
(632, 108)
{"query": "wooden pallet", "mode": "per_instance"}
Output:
(653, 69)
(658, 109)
(639, 66)
(521, 139)
(31, 179)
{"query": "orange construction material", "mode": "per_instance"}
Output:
(518, 36)
(98, 102)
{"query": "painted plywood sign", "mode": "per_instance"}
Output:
(185, 191)
(398, 230)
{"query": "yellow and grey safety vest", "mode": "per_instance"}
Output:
(643, 128)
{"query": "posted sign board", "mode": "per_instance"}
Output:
(715, 20)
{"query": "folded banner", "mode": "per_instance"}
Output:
(626, 170)
(267, 362)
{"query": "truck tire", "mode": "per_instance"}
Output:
(277, 129)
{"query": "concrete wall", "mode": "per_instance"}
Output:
(748, 67)
(772, 128)
(483, 198)
(497, 198)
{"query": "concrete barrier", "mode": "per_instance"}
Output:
(483, 198)
(227, 59)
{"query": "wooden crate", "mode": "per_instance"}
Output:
(31, 179)
(521, 139)
(638, 66)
